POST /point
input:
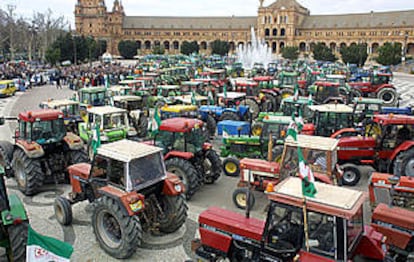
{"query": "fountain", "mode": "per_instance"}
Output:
(257, 52)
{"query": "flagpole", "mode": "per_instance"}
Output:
(305, 224)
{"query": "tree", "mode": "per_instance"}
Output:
(389, 54)
(128, 48)
(219, 47)
(290, 52)
(188, 48)
(158, 50)
(53, 55)
(354, 54)
(323, 53)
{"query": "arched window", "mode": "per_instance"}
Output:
(282, 32)
(147, 45)
(176, 45)
(274, 32)
(167, 45)
(138, 44)
(267, 32)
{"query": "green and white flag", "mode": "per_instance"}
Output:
(193, 98)
(46, 249)
(296, 93)
(292, 129)
(306, 174)
(225, 133)
(96, 138)
(155, 122)
(225, 91)
(310, 100)
(210, 97)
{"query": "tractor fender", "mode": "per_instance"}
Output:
(73, 141)
(179, 154)
(31, 149)
(403, 147)
(171, 184)
(16, 212)
(124, 198)
(323, 178)
(385, 86)
(371, 244)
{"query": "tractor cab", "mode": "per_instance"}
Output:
(258, 69)
(247, 86)
(168, 90)
(92, 96)
(287, 82)
(171, 111)
(323, 228)
(366, 107)
(121, 90)
(326, 93)
(330, 118)
(128, 102)
(291, 105)
(70, 110)
(192, 86)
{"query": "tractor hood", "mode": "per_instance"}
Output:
(356, 142)
(230, 223)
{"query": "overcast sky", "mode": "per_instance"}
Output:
(206, 7)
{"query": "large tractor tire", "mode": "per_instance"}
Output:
(351, 175)
(116, 232)
(257, 128)
(285, 93)
(186, 172)
(389, 96)
(270, 105)
(63, 211)
(18, 241)
(175, 213)
(28, 173)
(406, 168)
(240, 196)
(228, 115)
(6, 156)
(231, 166)
(142, 126)
(212, 166)
(211, 125)
(254, 107)
(78, 156)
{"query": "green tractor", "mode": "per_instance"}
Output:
(137, 112)
(92, 96)
(236, 147)
(287, 82)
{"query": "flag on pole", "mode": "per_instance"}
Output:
(296, 93)
(210, 97)
(193, 98)
(310, 100)
(44, 249)
(225, 91)
(306, 174)
(96, 138)
(292, 129)
(107, 83)
(155, 122)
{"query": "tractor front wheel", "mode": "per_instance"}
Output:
(18, 241)
(6, 155)
(254, 107)
(28, 173)
(257, 128)
(231, 166)
(270, 105)
(351, 175)
(211, 125)
(240, 198)
(63, 211)
(212, 167)
(389, 96)
(407, 164)
(174, 213)
(186, 172)
(116, 232)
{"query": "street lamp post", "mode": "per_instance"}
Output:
(404, 51)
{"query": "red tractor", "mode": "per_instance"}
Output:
(187, 154)
(387, 146)
(324, 228)
(379, 86)
(42, 150)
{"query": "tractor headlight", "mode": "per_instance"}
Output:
(104, 138)
(178, 188)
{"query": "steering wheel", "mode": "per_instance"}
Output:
(281, 232)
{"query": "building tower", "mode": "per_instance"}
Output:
(90, 17)
(114, 21)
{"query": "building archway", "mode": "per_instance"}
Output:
(342, 45)
(302, 47)
(410, 49)
(374, 48)
(267, 32)
(166, 45)
(147, 44)
(240, 44)
(274, 32)
(282, 32)
(176, 45)
(281, 46)
(274, 47)
(203, 45)
(232, 46)
(311, 46)
(332, 45)
(353, 44)
(157, 43)
(139, 44)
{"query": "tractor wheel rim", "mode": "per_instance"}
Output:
(20, 174)
(231, 167)
(349, 176)
(409, 168)
(109, 229)
(59, 212)
(257, 131)
(285, 96)
(387, 97)
(207, 166)
(241, 199)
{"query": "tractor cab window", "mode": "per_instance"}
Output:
(321, 228)
(278, 131)
(144, 171)
(114, 121)
(165, 140)
(317, 160)
(23, 132)
(100, 167)
(45, 130)
(116, 172)
(378, 80)
(395, 135)
(355, 228)
(284, 227)
(196, 138)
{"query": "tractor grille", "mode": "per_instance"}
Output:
(382, 195)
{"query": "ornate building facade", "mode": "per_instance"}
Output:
(282, 23)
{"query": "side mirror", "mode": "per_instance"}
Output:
(2, 121)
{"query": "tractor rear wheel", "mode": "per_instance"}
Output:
(186, 172)
(18, 241)
(28, 173)
(231, 166)
(78, 156)
(270, 105)
(63, 211)
(211, 125)
(116, 232)
(351, 175)
(254, 107)
(389, 96)
(407, 164)
(174, 213)
(6, 155)
(228, 115)
(212, 166)
(240, 196)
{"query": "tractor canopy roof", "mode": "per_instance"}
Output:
(119, 88)
(187, 99)
(179, 108)
(326, 84)
(246, 83)
(335, 108)
(300, 100)
(169, 87)
(94, 89)
(313, 142)
(369, 101)
(129, 82)
(263, 78)
(40, 115)
(287, 73)
(273, 119)
(232, 95)
(127, 150)
(180, 124)
(59, 102)
(104, 110)
(191, 83)
(127, 98)
(326, 200)
(336, 76)
(392, 119)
